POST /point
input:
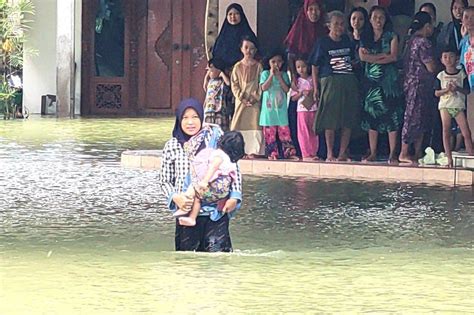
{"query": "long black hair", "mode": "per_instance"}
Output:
(363, 11)
(368, 37)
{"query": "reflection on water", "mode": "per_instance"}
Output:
(80, 234)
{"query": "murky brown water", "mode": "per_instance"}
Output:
(80, 234)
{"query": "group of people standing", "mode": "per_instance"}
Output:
(345, 75)
(342, 80)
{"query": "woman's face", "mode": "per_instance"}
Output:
(458, 7)
(248, 49)
(377, 19)
(233, 17)
(313, 13)
(190, 122)
(357, 20)
(336, 26)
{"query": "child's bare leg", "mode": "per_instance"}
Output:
(446, 122)
(189, 192)
(459, 141)
(191, 219)
(466, 132)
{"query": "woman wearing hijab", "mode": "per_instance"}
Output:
(235, 27)
(306, 30)
(227, 45)
(211, 233)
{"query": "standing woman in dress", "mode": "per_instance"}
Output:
(211, 233)
(306, 30)
(247, 92)
(227, 45)
(420, 66)
(382, 105)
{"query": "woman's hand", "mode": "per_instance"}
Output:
(229, 206)
(183, 201)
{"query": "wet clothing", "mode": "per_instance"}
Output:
(382, 103)
(206, 236)
(419, 92)
(174, 177)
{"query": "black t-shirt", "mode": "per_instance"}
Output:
(333, 57)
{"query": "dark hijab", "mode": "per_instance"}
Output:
(227, 46)
(178, 133)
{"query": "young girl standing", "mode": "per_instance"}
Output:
(275, 85)
(307, 106)
(246, 89)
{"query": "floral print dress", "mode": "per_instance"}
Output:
(418, 87)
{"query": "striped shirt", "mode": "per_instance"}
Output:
(175, 168)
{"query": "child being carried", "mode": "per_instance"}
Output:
(212, 172)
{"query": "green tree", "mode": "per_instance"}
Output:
(14, 23)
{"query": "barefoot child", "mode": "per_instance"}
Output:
(452, 88)
(275, 85)
(302, 93)
(212, 172)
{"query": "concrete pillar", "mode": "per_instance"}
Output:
(65, 69)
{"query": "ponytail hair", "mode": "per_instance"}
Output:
(419, 21)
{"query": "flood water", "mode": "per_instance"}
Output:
(81, 234)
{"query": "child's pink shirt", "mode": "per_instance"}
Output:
(304, 85)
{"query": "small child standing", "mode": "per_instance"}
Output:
(302, 92)
(212, 172)
(216, 82)
(452, 86)
(275, 84)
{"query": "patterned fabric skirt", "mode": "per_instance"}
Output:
(339, 103)
(420, 108)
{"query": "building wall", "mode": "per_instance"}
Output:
(39, 74)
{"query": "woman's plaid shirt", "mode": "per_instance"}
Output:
(175, 168)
